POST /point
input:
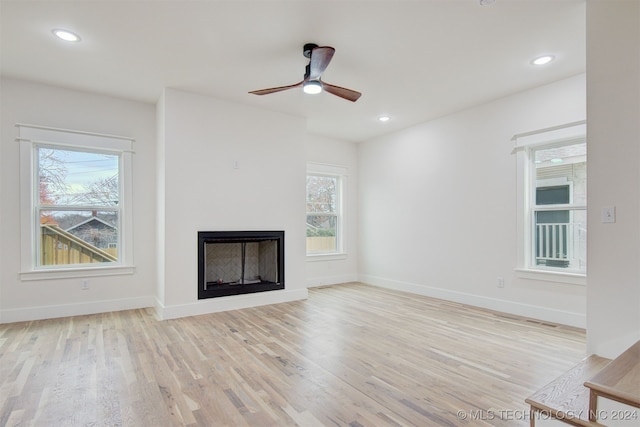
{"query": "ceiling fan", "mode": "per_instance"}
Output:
(319, 58)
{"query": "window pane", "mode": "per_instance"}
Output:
(559, 236)
(556, 195)
(78, 237)
(68, 177)
(561, 239)
(321, 194)
(321, 233)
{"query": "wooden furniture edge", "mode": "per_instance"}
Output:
(560, 415)
(627, 363)
(612, 394)
(577, 416)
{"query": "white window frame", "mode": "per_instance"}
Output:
(340, 173)
(33, 136)
(525, 145)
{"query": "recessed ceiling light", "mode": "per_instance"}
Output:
(384, 118)
(541, 60)
(66, 35)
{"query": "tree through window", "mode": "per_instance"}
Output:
(323, 213)
(75, 203)
(78, 206)
(322, 216)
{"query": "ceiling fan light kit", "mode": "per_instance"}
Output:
(312, 87)
(319, 58)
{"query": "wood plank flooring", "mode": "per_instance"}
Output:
(350, 355)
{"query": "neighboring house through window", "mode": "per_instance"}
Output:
(324, 209)
(76, 195)
(552, 172)
(559, 206)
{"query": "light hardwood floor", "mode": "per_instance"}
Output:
(350, 355)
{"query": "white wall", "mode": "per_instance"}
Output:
(613, 105)
(160, 199)
(438, 206)
(320, 270)
(202, 140)
(24, 102)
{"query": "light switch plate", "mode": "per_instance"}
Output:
(608, 214)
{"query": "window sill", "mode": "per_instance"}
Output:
(552, 276)
(326, 257)
(68, 273)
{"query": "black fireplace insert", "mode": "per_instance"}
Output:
(239, 262)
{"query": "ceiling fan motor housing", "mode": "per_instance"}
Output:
(306, 51)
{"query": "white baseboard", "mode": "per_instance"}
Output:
(546, 314)
(330, 280)
(235, 302)
(76, 309)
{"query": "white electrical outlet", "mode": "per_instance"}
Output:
(501, 282)
(85, 285)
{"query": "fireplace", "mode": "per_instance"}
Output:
(239, 262)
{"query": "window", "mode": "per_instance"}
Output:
(552, 181)
(324, 210)
(75, 201)
(77, 206)
(559, 206)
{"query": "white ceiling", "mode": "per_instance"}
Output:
(413, 60)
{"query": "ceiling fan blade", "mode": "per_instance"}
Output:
(320, 58)
(348, 94)
(275, 89)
